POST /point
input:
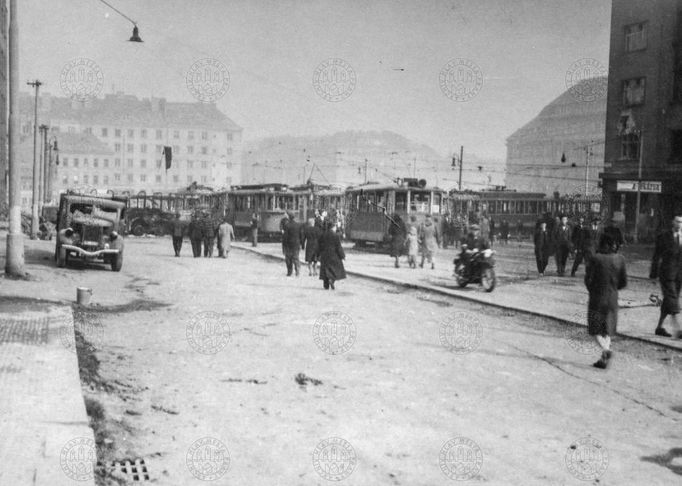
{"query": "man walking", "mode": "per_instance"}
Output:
(562, 243)
(291, 244)
(225, 238)
(208, 231)
(668, 252)
(255, 222)
(195, 235)
(543, 246)
(582, 242)
(177, 231)
(604, 276)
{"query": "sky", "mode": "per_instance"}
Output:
(272, 47)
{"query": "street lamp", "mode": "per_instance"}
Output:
(136, 32)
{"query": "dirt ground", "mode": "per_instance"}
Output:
(187, 349)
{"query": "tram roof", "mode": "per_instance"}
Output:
(393, 186)
(274, 187)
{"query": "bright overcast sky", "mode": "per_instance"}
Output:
(271, 48)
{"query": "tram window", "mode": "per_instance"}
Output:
(436, 204)
(401, 201)
(420, 202)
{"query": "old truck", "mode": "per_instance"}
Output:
(89, 229)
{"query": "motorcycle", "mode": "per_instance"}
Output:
(474, 266)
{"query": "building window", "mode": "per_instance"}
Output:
(117, 132)
(106, 163)
(130, 148)
(95, 162)
(228, 181)
(117, 147)
(159, 134)
(65, 180)
(204, 164)
(143, 148)
(176, 133)
(189, 179)
(117, 162)
(176, 149)
(131, 133)
(629, 146)
(158, 164)
(130, 178)
(158, 179)
(75, 162)
(130, 163)
(85, 179)
(159, 149)
(143, 133)
(229, 151)
(55, 128)
(633, 91)
(75, 179)
(65, 162)
(105, 180)
(203, 179)
(635, 37)
(85, 162)
(204, 150)
(228, 165)
(95, 179)
(190, 149)
(143, 178)
(190, 135)
(229, 137)
(204, 135)
(88, 130)
(143, 164)
(190, 164)
(105, 132)
(176, 178)
(117, 177)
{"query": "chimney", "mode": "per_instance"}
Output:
(158, 106)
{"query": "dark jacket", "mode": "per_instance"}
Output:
(669, 254)
(177, 228)
(472, 242)
(543, 243)
(331, 257)
(195, 232)
(208, 227)
(292, 238)
(561, 237)
(398, 233)
(604, 276)
(255, 222)
(616, 235)
(582, 238)
(311, 242)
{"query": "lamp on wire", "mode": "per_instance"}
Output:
(136, 31)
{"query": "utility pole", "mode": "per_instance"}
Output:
(365, 171)
(52, 145)
(14, 264)
(36, 170)
(588, 152)
(43, 164)
(639, 184)
(461, 161)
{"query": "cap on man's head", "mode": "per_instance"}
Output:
(474, 227)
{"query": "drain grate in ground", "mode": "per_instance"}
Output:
(24, 331)
(135, 469)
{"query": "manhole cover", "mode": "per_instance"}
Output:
(135, 469)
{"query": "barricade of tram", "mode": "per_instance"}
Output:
(371, 208)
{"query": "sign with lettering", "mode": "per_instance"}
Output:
(644, 186)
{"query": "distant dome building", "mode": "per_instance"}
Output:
(566, 127)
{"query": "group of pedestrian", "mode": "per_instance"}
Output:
(321, 242)
(413, 238)
(202, 231)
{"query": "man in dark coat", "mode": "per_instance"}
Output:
(562, 244)
(543, 247)
(311, 243)
(208, 231)
(195, 235)
(255, 223)
(291, 244)
(604, 276)
(331, 257)
(398, 233)
(668, 252)
(177, 231)
(582, 243)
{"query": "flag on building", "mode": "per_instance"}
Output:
(168, 153)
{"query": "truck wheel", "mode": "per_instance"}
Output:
(62, 257)
(117, 262)
(138, 230)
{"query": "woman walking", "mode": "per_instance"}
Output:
(430, 240)
(331, 257)
(311, 242)
(397, 231)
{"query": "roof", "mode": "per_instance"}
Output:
(81, 143)
(385, 187)
(128, 110)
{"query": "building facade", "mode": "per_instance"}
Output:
(644, 114)
(117, 143)
(552, 152)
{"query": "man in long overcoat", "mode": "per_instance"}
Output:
(255, 223)
(208, 231)
(225, 239)
(562, 244)
(311, 243)
(668, 252)
(331, 257)
(291, 244)
(398, 233)
(543, 247)
(177, 232)
(195, 234)
(582, 243)
(604, 276)
(429, 235)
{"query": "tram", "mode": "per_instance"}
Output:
(370, 207)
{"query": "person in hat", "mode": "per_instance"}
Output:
(582, 243)
(473, 243)
(291, 244)
(255, 223)
(562, 244)
(543, 246)
(615, 233)
(177, 232)
(605, 275)
(331, 257)
(666, 264)
(429, 235)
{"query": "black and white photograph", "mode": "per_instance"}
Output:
(316, 242)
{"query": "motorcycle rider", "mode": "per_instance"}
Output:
(473, 243)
